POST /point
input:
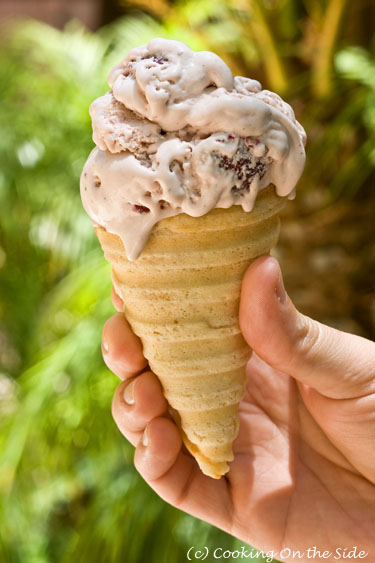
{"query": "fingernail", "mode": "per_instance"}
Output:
(280, 289)
(129, 393)
(145, 438)
(105, 347)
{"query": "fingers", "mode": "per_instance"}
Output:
(122, 349)
(337, 364)
(159, 448)
(176, 477)
(117, 301)
(138, 408)
(136, 403)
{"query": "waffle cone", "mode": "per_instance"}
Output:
(182, 298)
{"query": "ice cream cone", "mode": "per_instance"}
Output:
(184, 150)
(181, 298)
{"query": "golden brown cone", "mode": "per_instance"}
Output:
(181, 298)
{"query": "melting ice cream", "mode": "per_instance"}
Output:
(179, 134)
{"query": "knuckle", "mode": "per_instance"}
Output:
(309, 336)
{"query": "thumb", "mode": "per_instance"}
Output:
(337, 364)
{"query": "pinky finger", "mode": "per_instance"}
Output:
(117, 301)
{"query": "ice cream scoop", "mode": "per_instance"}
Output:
(179, 134)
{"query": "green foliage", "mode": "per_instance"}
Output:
(67, 484)
(68, 487)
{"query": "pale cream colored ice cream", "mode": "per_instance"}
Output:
(179, 134)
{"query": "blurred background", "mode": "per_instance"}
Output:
(68, 488)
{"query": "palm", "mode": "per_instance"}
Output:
(283, 481)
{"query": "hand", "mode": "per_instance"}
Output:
(304, 467)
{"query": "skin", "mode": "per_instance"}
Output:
(304, 467)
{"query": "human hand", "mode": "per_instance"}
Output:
(304, 467)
